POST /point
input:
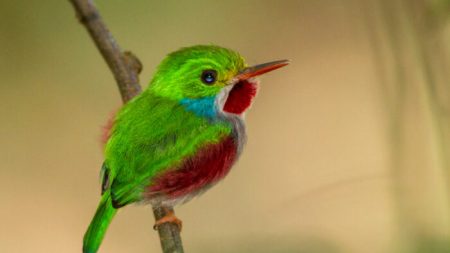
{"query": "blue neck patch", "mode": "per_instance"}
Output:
(203, 107)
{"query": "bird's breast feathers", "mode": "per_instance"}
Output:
(176, 152)
(210, 163)
(194, 175)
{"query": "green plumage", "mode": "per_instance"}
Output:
(180, 136)
(154, 132)
(143, 145)
(96, 231)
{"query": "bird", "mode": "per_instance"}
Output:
(180, 136)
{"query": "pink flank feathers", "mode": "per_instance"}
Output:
(107, 128)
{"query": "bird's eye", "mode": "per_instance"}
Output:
(209, 76)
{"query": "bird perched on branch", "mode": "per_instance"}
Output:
(180, 136)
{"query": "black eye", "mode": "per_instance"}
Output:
(209, 76)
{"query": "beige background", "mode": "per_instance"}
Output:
(317, 174)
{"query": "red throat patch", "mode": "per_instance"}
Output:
(240, 97)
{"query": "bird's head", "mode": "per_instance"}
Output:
(209, 78)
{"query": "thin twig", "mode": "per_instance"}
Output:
(169, 233)
(125, 68)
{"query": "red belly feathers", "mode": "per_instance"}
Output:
(209, 165)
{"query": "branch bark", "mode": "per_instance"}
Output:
(125, 68)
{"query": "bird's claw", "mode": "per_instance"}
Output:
(171, 218)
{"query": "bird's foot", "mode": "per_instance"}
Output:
(169, 217)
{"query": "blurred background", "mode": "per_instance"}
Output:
(348, 148)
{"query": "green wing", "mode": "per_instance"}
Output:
(152, 134)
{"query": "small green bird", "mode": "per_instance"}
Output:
(180, 136)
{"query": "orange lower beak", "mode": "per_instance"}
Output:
(260, 69)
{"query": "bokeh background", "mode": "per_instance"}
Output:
(348, 150)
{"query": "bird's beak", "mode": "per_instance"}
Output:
(260, 69)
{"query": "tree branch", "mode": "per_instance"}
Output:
(169, 233)
(125, 68)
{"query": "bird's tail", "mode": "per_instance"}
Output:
(96, 230)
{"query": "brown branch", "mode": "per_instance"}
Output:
(125, 68)
(169, 233)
